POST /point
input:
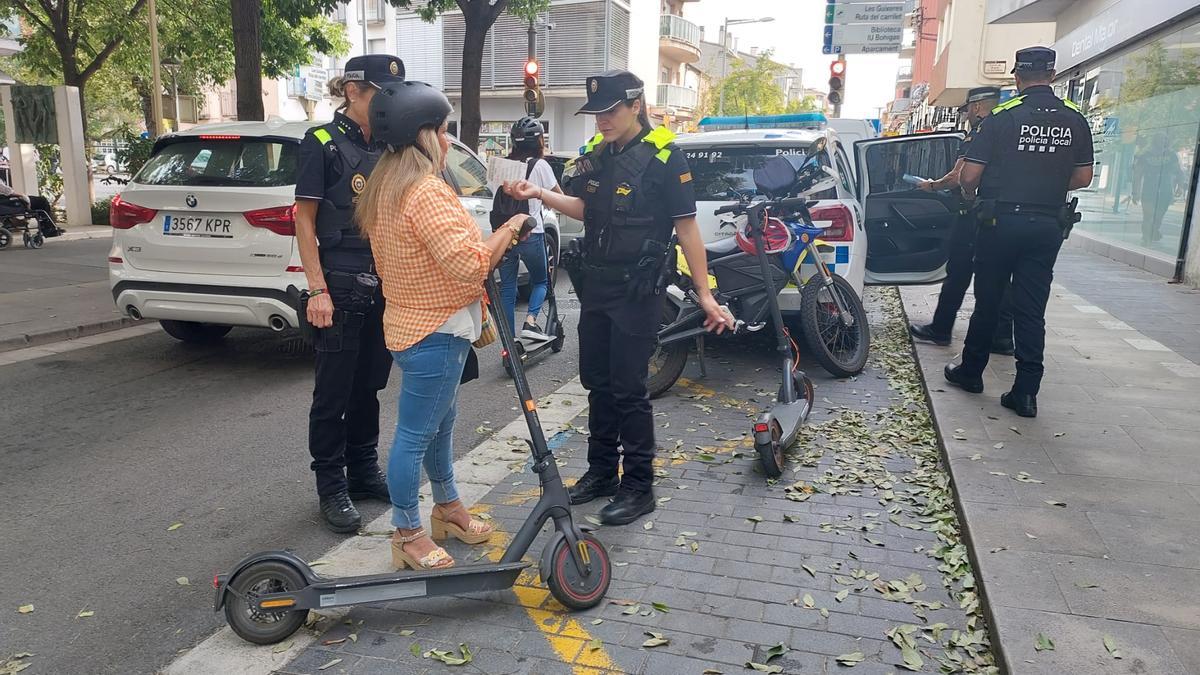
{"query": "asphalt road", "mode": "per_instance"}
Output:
(104, 448)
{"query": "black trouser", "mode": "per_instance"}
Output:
(616, 339)
(353, 364)
(959, 268)
(1023, 248)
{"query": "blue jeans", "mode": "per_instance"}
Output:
(424, 427)
(533, 252)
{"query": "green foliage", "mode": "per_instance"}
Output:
(135, 151)
(749, 89)
(50, 180)
(100, 211)
(805, 104)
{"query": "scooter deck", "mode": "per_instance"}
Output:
(322, 592)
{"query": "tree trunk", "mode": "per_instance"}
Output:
(247, 58)
(477, 25)
(142, 87)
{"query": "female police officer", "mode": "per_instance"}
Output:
(344, 303)
(630, 189)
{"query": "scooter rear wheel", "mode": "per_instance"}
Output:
(770, 454)
(568, 586)
(252, 624)
(560, 339)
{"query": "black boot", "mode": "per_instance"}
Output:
(340, 514)
(955, 375)
(592, 486)
(927, 334)
(372, 486)
(627, 506)
(1024, 405)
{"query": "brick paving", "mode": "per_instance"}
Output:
(828, 562)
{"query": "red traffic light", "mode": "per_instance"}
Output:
(837, 68)
(531, 68)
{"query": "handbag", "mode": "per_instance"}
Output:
(487, 333)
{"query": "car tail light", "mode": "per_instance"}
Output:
(280, 220)
(123, 215)
(294, 268)
(761, 427)
(220, 137)
(841, 221)
(116, 260)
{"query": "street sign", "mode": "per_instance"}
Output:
(869, 12)
(854, 48)
(864, 33)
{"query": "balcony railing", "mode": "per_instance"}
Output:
(675, 96)
(679, 28)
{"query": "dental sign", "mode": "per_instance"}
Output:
(1120, 23)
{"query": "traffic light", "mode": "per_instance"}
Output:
(535, 103)
(837, 82)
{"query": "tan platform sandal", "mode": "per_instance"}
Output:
(477, 531)
(435, 560)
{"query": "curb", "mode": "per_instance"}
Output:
(70, 333)
(87, 234)
(993, 628)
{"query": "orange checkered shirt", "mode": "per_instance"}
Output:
(431, 261)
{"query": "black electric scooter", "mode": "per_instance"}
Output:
(527, 350)
(776, 428)
(267, 595)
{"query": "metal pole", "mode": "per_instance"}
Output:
(156, 106)
(363, 5)
(175, 93)
(532, 40)
(724, 63)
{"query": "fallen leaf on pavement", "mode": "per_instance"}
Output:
(656, 640)
(174, 527)
(661, 607)
(329, 665)
(1111, 646)
(594, 645)
(282, 646)
(811, 572)
(649, 525)
(25, 609)
(755, 519)
(1043, 643)
(763, 668)
(808, 601)
(1052, 502)
(182, 581)
(850, 660)
(85, 614)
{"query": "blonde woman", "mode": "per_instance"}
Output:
(432, 262)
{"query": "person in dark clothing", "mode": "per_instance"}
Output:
(344, 303)
(980, 102)
(631, 188)
(1025, 158)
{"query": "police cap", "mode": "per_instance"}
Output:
(1034, 60)
(606, 90)
(980, 94)
(378, 69)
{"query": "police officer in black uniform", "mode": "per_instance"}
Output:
(631, 188)
(980, 102)
(344, 304)
(1025, 158)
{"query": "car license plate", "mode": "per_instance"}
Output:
(197, 226)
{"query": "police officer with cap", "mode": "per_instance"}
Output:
(980, 102)
(631, 188)
(1026, 157)
(343, 303)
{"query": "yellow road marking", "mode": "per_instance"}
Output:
(566, 636)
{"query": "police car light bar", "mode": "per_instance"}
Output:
(812, 120)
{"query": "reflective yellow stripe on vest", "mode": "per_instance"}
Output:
(1010, 103)
(323, 136)
(661, 137)
(1072, 105)
(591, 145)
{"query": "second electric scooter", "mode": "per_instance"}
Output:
(267, 596)
(531, 349)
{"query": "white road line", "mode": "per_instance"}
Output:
(477, 473)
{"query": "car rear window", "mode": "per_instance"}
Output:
(720, 170)
(232, 162)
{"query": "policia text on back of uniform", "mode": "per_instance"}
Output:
(630, 188)
(1025, 158)
(344, 305)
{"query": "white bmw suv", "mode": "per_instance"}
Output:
(204, 234)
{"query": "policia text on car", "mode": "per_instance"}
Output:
(1026, 156)
(631, 188)
(343, 306)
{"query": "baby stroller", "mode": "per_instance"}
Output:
(32, 220)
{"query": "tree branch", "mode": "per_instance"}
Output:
(112, 45)
(24, 8)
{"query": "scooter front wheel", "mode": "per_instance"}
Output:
(769, 445)
(253, 624)
(573, 589)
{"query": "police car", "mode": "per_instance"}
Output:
(203, 235)
(879, 229)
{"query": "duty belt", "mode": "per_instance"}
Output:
(610, 273)
(1011, 208)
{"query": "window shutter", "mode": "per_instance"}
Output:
(419, 46)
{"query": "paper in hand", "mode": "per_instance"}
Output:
(501, 170)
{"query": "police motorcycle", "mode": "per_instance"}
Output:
(775, 235)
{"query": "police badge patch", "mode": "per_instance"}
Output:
(394, 68)
(358, 183)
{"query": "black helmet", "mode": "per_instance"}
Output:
(401, 109)
(527, 129)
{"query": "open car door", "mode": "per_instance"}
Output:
(908, 230)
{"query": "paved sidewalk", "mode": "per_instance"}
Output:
(56, 293)
(853, 555)
(1085, 522)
